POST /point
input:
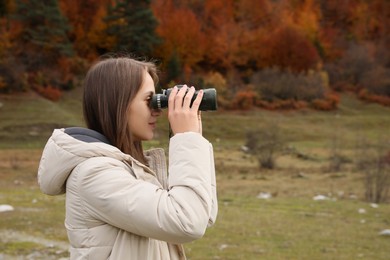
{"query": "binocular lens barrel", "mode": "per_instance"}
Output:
(209, 99)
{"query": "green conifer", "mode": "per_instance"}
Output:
(44, 29)
(133, 25)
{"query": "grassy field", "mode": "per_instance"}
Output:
(289, 225)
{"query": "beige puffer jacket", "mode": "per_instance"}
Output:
(117, 208)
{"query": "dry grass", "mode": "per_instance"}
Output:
(290, 225)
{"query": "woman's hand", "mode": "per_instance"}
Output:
(182, 116)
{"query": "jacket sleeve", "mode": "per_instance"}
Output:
(177, 215)
(214, 205)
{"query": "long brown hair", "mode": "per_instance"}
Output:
(109, 88)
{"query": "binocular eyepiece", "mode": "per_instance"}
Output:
(209, 99)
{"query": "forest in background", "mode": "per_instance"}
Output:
(273, 54)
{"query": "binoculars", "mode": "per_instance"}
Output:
(209, 99)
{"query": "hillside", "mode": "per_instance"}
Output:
(263, 214)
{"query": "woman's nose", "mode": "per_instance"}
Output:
(156, 112)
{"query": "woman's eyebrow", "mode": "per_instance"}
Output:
(149, 93)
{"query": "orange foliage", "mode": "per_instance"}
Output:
(330, 102)
(364, 94)
(49, 92)
(328, 37)
(181, 31)
(288, 48)
(245, 99)
(287, 104)
(88, 26)
(221, 30)
(370, 20)
(65, 66)
(254, 13)
(243, 36)
(307, 18)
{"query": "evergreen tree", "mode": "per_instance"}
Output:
(3, 8)
(174, 68)
(44, 36)
(133, 25)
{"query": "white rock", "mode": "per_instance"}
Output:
(385, 232)
(245, 149)
(374, 205)
(264, 195)
(223, 246)
(320, 197)
(362, 211)
(5, 207)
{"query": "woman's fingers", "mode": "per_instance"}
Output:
(182, 112)
(197, 101)
(179, 98)
(188, 97)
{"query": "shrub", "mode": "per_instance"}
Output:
(245, 99)
(49, 92)
(274, 84)
(364, 94)
(361, 66)
(377, 81)
(373, 161)
(266, 144)
(349, 70)
(281, 104)
(330, 102)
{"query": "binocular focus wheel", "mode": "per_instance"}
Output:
(158, 102)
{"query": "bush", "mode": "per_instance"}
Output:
(364, 94)
(281, 104)
(373, 161)
(42, 83)
(49, 92)
(273, 84)
(362, 66)
(330, 102)
(377, 81)
(245, 99)
(266, 144)
(349, 70)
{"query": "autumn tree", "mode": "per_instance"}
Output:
(11, 70)
(335, 26)
(256, 18)
(222, 33)
(182, 34)
(88, 29)
(288, 48)
(133, 25)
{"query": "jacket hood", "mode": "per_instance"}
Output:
(65, 149)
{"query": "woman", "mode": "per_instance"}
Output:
(120, 202)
